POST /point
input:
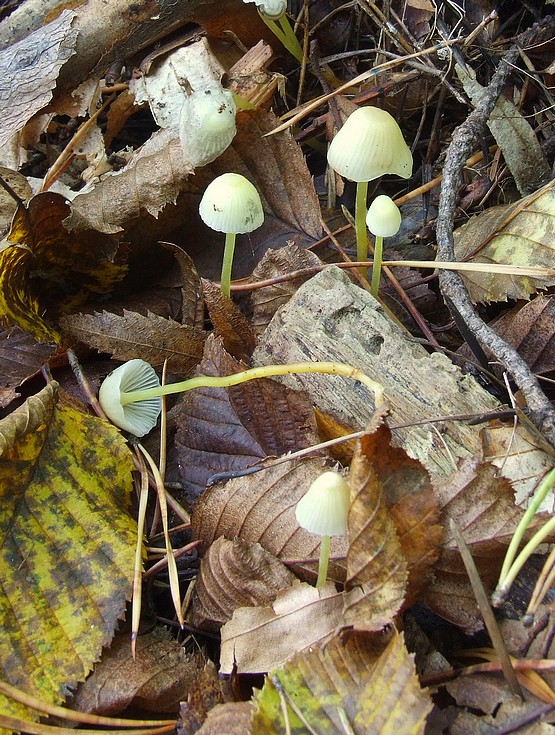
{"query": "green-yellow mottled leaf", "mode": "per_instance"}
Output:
(66, 545)
(354, 684)
(522, 233)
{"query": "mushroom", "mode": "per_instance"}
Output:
(273, 14)
(383, 220)
(131, 394)
(231, 204)
(369, 144)
(323, 510)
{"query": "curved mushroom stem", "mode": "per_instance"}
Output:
(377, 266)
(265, 371)
(325, 546)
(229, 249)
(360, 223)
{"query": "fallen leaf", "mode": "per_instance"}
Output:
(235, 574)
(208, 691)
(257, 639)
(66, 545)
(151, 337)
(261, 508)
(156, 680)
(229, 323)
(521, 233)
(226, 429)
(357, 684)
(231, 718)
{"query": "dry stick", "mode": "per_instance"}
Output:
(452, 285)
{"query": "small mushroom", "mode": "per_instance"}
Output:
(383, 220)
(231, 204)
(273, 13)
(323, 510)
(369, 145)
(139, 417)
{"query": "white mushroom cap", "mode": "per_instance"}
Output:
(324, 507)
(138, 418)
(231, 203)
(383, 217)
(370, 144)
(272, 8)
(207, 125)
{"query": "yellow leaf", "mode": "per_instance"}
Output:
(66, 545)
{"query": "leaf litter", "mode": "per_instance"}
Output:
(90, 269)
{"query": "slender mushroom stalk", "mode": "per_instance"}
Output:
(273, 13)
(231, 204)
(369, 144)
(323, 510)
(122, 396)
(383, 220)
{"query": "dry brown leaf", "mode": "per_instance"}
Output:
(156, 681)
(266, 301)
(235, 574)
(481, 503)
(232, 718)
(229, 323)
(151, 338)
(20, 357)
(261, 508)
(226, 429)
(257, 639)
(208, 690)
(192, 307)
(375, 560)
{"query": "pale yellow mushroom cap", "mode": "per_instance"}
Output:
(272, 8)
(324, 507)
(138, 418)
(383, 217)
(231, 203)
(369, 145)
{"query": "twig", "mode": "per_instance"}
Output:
(452, 286)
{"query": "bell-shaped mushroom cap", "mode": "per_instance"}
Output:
(207, 125)
(324, 507)
(370, 144)
(231, 203)
(138, 418)
(272, 8)
(383, 217)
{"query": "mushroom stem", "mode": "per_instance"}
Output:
(284, 33)
(360, 223)
(225, 282)
(325, 546)
(377, 266)
(265, 371)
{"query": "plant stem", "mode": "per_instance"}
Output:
(284, 33)
(377, 266)
(360, 223)
(265, 371)
(325, 546)
(225, 281)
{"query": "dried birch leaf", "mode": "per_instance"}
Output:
(522, 233)
(356, 684)
(258, 638)
(261, 508)
(375, 561)
(164, 677)
(152, 338)
(225, 429)
(229, 323)
(235, 574)
(207, 691)
(266, 301)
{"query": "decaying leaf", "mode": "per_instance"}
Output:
(66, 545)
(156, 680)
(208, 691)
(235, 574)
(20, 357)
(45, 269)
(516, 234)
(358, 684)
(233, 718)
(375, 560)
(225, 429)
(151, 337)
(257, 639)
(229, 323)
